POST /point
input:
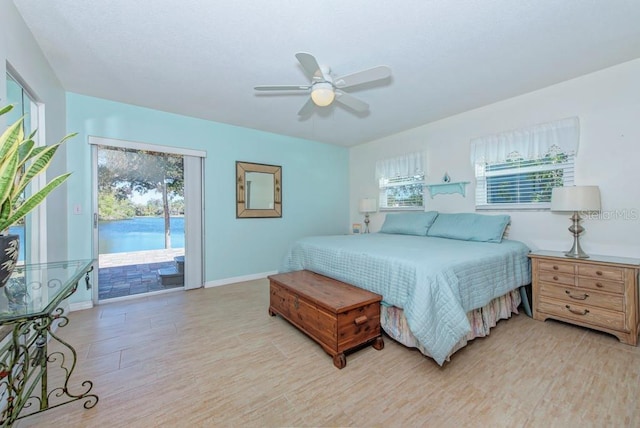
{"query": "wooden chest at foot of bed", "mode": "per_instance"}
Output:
(337, 315)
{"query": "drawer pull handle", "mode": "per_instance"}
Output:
(599, 285)
(360, 320)
(555, 278)
(583, 297)
(573, 311)
(555, 267)
(296, 303)
(599, 272)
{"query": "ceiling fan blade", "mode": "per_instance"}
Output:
(310, 65)
(351, 102)
(307, 109)
(283, 88)
(364, 76)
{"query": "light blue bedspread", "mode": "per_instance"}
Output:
(436, 281)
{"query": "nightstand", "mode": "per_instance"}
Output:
(600, 292)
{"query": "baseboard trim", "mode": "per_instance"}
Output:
(233, 280)
(80, 306)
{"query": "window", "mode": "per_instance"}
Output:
(402, 192)
(23, 105)
(520, 183)
(401, 182)
(538, 159)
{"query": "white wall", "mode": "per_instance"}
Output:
(608, 105)
(19, 49)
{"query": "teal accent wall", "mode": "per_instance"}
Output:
(315, 183)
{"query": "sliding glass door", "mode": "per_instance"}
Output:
(145, 196)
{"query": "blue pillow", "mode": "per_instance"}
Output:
(470, 227)
(413, 223)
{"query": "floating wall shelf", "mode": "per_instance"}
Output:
(448, 188)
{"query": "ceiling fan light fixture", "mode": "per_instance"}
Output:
(322, 94)
(325, 88)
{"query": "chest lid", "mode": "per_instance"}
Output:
(326, 292)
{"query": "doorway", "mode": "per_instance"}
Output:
(144, 196)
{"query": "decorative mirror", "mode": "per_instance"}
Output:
(258, 190)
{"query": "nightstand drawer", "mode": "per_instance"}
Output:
(602, 272)
(582, 313)
(600, 285)
(585, 297)
(556, 278)
(557, 267)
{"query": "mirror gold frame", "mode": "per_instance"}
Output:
(273, 206)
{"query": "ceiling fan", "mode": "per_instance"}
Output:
(325, 87)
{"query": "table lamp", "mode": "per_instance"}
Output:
(577, 199)
(368, 205)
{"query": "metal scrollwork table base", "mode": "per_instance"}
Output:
(36, 364)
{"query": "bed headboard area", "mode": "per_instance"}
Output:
(461, 226)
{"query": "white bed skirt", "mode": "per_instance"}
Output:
(482, 320)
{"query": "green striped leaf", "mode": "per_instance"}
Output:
(35, 151)
(6, 109)
(33, 201)
(24, 152)
(10, 139)
(20, 162)
(5, 212)
(39, 164)
(8, 170)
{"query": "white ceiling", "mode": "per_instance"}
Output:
(202, 58)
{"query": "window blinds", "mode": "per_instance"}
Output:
(518, 169)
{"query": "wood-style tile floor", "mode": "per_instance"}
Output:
(213, 357)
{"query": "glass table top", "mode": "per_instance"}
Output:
(37, 289)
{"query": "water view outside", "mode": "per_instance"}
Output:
(138, 234)
(19, 230)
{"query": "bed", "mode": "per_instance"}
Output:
(439, 290)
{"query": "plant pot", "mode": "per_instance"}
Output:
(9, 250)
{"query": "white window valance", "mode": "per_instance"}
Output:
(535, 142)
(407, 165)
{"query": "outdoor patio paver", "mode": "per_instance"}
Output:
(126, 274)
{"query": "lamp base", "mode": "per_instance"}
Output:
(576, 251)
(366, 223)
(576, 254)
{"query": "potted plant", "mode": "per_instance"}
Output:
(20, 162)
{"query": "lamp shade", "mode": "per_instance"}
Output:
(575, 198)
(322, 94)
(368, 205)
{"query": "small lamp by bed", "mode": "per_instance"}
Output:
(577, 199)
(367, 206)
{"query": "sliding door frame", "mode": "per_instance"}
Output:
(193, 196)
